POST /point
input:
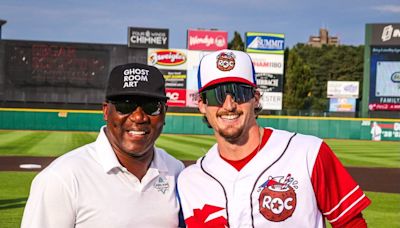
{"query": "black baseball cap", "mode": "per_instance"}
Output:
(135, 79)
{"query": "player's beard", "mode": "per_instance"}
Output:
(231, 133)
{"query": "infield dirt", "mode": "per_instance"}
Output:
(369, 179)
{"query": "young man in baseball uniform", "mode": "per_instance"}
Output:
(260, 177)
(121, 179)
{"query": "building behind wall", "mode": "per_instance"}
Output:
(323, 38)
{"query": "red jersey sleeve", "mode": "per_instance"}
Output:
(339, 197)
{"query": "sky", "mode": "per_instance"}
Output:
(107, 21)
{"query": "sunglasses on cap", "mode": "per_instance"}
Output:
(152, 108)
(216, 96)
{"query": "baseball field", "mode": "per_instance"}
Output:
(14, 185)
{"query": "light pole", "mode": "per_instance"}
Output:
(2, 22)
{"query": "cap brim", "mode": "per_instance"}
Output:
(226, 80)
(140, 94)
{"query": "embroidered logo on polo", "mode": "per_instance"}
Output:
(161, 184)
(277, 200)
(226, 61)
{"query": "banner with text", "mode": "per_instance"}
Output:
(345, 89)
(385, 79)
(271, 100)
(267, 63)
(193, 62)
(147, 37)
(207, 40)
(259, 42)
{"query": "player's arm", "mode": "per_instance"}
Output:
(356, 222)
(49, 204)
(339, 197)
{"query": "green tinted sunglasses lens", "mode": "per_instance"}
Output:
(216, 96)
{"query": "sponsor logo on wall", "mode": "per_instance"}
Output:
(147, 37)
(177, 97)
(207, 40)
(269, 82)
(258, 42)
(385, 34)
(269, 70)
(385, 80)
(173, 65)
(267, 63)
(175, 78)
(167, 58)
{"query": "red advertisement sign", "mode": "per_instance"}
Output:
(384, 107)
(207, 40)
(177, 97)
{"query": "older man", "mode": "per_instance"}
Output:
(121, 179)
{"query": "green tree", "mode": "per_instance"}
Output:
(327, 63)
(236, 43)
(298, 84)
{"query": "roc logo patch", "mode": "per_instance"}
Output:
(226, 61)
(277, 200)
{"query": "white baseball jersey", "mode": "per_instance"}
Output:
(293, 181)
(88, 187)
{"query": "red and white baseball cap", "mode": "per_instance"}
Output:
(226, 66)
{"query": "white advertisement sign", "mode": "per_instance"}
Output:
(193, 62)
(343, 89)
(267, 63)
(271, 100)
(387, 79)
(167, 58)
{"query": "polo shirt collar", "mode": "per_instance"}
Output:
(158, 162)
(104, 153)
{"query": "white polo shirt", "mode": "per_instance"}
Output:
(88, 187)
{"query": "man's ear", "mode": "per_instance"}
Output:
(257, 96)
(202, 106)
(106, 107)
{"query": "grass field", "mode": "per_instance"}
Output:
(188, 147)
(14, 186)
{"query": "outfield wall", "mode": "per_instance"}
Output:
(185, 123)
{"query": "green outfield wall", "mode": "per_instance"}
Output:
(185, 123)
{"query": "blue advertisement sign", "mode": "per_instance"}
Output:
(271, 43)
(385, 78)
(342, 105)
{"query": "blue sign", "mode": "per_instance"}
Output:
(265, 43)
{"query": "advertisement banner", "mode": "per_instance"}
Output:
(272, 43)
(342, 105)
(270, 82)
(386, 34)
(207, 40)
(193, 62)
(385, 79)
(147, 37)
(271, 100)
(167, 58)
(175, 78)
(268, 63)
(177, 97)
(343, 89)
